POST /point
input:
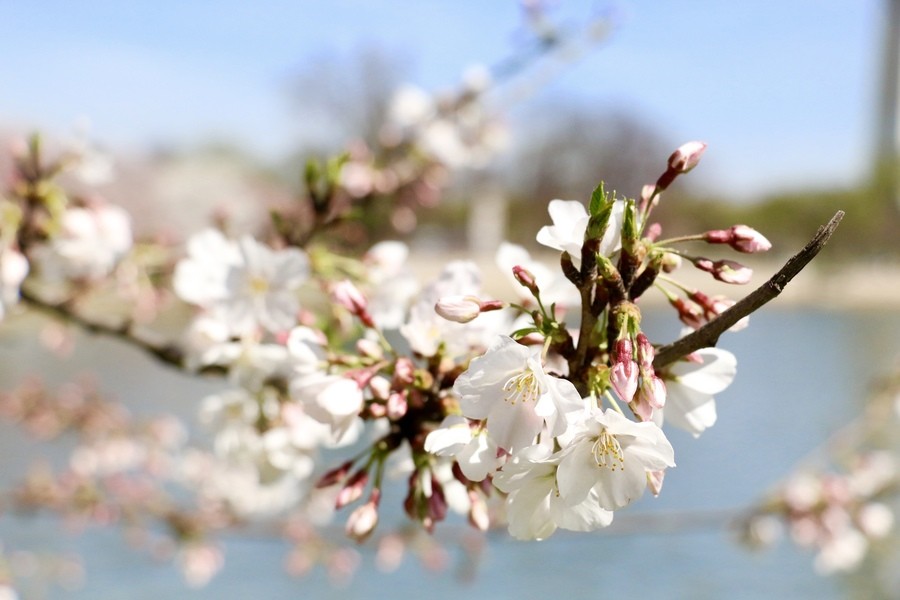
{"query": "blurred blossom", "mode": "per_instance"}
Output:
(13, 270)
(91, 241)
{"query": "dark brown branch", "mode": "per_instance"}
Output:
(168, 353)
(708, 335)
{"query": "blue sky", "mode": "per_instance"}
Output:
(782, 90)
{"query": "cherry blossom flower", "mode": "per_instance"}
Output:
(570, 221)
(611, 456)
(200, 278)
(475, 451)
(262, 289)
(690, 386)
(92, 240)
(508, 387)
(535, 508)
(245, 284)
(392, 285)
(427, 332)
(330, 399)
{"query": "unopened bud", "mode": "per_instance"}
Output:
(526, 279)
(404, 371)
(364, 519)
(459, 309)
(688, 313)
(623, 375)
(670, 262)
(369, 348)
(397, 406)
(645, 352)
(353, 489)
(648, 193)
(746, 239)
(726, 271)
(348, 295)
(686, 157)
(740, 237)
(653, 232)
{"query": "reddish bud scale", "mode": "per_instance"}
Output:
(335, 475)
(353, 489)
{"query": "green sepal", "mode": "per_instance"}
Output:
(520, 333)
(600, 211)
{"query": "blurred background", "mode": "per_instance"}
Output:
(209, 111)
(213, 105)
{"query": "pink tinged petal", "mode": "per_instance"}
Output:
(624, 379)
(712, 376)
(458, 308)
(450, 438)
(655, 481)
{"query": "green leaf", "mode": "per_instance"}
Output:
(599, 199)
(520, 333)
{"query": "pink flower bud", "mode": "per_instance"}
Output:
(348, 295)
(647, 192)
(369, 348)
(686, 157)
(397, 406)
(525, 278)
(362, 521)
(727, 271)
(353, 489)
(460, 309)
(404, 371)
(746, 239)
(380, 387)
(740, 237)
(645, 352)
(650, 395)
(653, 231)
(670, 262)
(624, 373)
(689, 314)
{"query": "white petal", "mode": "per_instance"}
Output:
(713, 375)
(450, 437)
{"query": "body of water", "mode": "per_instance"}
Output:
(801, 375)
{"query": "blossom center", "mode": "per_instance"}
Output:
(524, 386)
(258, 286)
(608, 452)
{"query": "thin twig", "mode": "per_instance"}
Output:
(708, 335)
(168, 354)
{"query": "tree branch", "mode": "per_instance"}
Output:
(166, 353)
(708, 335)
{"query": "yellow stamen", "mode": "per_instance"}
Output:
(524, 386)
(608, 452)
